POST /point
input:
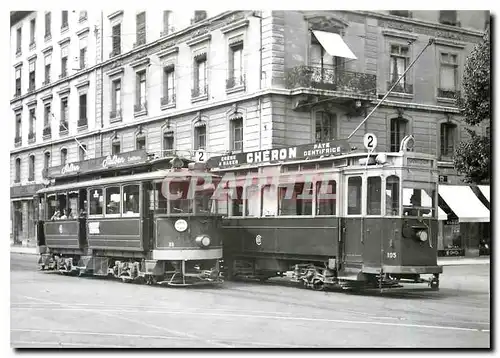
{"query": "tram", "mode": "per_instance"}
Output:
(326, 216)
(138, 224)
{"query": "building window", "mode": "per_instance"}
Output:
(63, 126)
(32, 75)
(47, 129)
(46, 160)
(82, 16)
(47, 25)
(17, 139)
(116, 35)
(402, 13)
(448, 75)
(64, 19)
(31, 168)
(141, 29)
(32, 31)
(115, 146)
(447, 139)
(168, 143)
(83, 53)
(82, 152)
(82, 120)
(448, 17)
(392, 196)
(200, 76)
(48, 60)
(19, 36)
(18, 170)
(236, 76)
(168, 85)
(18, 81)
(398, 132)
(64, 61)
(167, 22)
(199, 15)
(140, 141)
(326, 126)
(32, 125)
(140, 94)
(200, 137)
(64, 156)
(116, 86)
(399, 63)
(237, 134)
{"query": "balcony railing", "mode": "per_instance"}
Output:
(63, 74)
(63, 127)
(17, 140)
(199, 91)
(448, 93)
(114, 53)
(82, 122)
(168, 100)
(47, 131)
(115, 114)
(330, 79)
(31, 136)
(139, 107)
(237, 81)
(400, 87)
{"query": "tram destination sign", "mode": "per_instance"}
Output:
(304, 151)
(98, 164)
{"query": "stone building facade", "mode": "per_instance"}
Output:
(169, 81)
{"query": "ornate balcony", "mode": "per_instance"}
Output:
(331, 79)
(31, 137)
(63, 127)
(448, 93)
(400, 87)
(140, 109)
(199, 91)
(235, 82)
(47, 132)
(115, 115)
(82, 123)
(17, 141)
(168, 100)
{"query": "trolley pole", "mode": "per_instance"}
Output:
(76, 140)
(431, 41)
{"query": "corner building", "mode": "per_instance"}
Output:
(178, 81)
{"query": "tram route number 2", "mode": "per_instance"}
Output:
(391, 255)
(370, 141)
(200, 156)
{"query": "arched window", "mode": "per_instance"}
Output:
(237, 133)
(168, 143)
(398, 132)
(325, 126)
(64, 156)
(31, 168)
(200, 135)
(18, 170)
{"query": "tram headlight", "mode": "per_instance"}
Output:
(422, 235)
(203, 240)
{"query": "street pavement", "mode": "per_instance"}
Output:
(49, 310)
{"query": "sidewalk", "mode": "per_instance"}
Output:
(442, 261)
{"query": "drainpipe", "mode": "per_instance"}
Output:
(102, 84)
(260, 78)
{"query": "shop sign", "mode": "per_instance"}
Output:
(305, 151)
(24, 190)
(98, 164)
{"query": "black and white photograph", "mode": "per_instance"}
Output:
(224, 178)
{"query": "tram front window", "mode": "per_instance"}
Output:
(418, 202)
(203, 201)
(179, 201)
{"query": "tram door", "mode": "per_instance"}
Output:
(352, 225)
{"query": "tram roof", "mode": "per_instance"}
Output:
(159, 174)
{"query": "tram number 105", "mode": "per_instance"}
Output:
(391, 255)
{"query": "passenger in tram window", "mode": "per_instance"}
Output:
(82, 214)
(56, 215)
(64, 216)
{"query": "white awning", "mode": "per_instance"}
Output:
(485, 189)
(464, 203)
(334, 44)
(442, 215)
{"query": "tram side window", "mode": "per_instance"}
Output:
(354, 196)
(269, 196)
(131, 199)
(295, 199)
(252, 198)
(373, 196)
(418, 202)
(96, 202)
(57, 206)
(392, 196)
(83, 204)
(73, 205)
(326, 198)
(237, 201)
(52, 206)
(113, 200)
